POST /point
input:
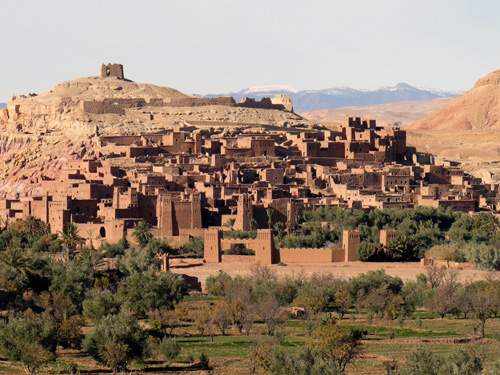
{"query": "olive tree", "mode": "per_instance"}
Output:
(31, 342)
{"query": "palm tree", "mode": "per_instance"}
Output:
(142, 233)
(71, 239)
(270, 213)
(230, 223)
(16, 269)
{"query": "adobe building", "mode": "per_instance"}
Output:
(186, 180)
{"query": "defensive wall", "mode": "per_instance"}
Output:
(119, 105)
(266, 253)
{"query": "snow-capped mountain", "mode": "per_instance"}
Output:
(336, 97)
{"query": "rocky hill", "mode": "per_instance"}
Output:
(403, 113)
(466, 130)
(309, 100)
(41, 133)
(477, 109)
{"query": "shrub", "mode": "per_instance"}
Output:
(169, 349)
(193, 247)
(219, 284)
(240, 234)
(422, 362)
(446, 252)
(240, 249)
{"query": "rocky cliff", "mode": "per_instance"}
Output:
(478, 109)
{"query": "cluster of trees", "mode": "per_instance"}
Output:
(264, 297)
(472, 238)
(48, 302)
(327, 351)
(423, 362)
(329, 348)
(311, 235)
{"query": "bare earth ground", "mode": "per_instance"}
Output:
(195, 267)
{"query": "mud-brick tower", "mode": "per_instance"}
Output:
(350, 243)
(265, 253)
(212, 250)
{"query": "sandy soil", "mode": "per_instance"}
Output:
(405, 271)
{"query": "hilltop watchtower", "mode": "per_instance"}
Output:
(112, 70)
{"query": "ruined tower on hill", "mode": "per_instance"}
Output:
(112, 70)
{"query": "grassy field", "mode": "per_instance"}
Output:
(386, 340)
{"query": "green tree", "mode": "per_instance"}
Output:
(369, 251)
(484, 256)
(116, 340)
(221, 316)
(230, 223)
(71, 239)
(100, 303)
(484, 301)
(21, 269)
(73, 279)
(141, 259)
(334, 346)
(194, 246)
(219, 284)
(270, 215)
(147, 291)
(479, 228)
(30, 342)
(142, 233)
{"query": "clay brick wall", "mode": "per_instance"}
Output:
(59, 216)
(263, 147)
(306, 255)
(100, 108)
(198, 102)
(264, 103)
(229, 258)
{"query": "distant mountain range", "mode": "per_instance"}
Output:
(3, 105)
(308, 100)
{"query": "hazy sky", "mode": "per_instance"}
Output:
(211, 46)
